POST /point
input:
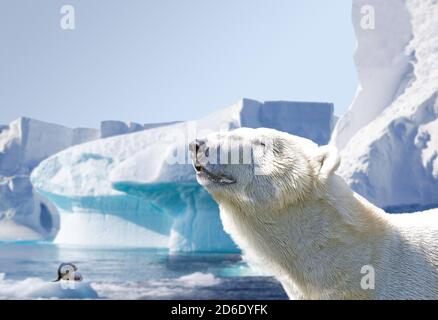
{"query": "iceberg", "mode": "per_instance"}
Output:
(24, 143)
(389, 137)
(139, 189)
(24, 214)
(112, 128)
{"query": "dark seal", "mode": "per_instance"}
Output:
(68, 271)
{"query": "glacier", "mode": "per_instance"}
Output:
(139, 189)
(389, 136)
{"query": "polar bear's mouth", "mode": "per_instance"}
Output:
(214, 177)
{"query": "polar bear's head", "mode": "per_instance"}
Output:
(261, 167)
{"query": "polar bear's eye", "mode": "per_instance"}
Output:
(261, 143)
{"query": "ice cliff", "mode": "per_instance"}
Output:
(139, 189)
(389, 137)
(25, 215)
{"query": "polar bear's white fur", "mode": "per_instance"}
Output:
(291, 214)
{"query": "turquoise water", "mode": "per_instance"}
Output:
(120, 273)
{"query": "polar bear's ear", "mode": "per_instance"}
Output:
(327, 160)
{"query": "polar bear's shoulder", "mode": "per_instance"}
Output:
(419, 230)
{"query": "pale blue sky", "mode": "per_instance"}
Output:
(163, 60)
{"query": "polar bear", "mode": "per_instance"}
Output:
(283, 204)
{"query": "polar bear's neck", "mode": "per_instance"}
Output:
(316, 243)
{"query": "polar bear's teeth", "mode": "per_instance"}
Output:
(226, 180)
(221, 179)
(218, 178)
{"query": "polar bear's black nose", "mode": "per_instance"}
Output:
(196, 145)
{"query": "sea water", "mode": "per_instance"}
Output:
(122, 273)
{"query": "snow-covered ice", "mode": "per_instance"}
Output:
(24, 214)
(383, 66)
(389, 138)
(36, 288)
(112, 128)
(24, 143)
